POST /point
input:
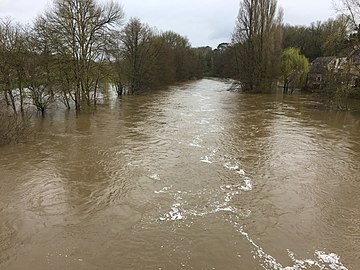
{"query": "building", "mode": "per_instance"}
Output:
(330, 69)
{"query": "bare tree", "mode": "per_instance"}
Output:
(350, 8)
(13, 51)
(12, 127)
(81, 30)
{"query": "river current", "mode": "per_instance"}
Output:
(193, 177)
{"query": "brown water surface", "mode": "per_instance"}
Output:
(195, 177)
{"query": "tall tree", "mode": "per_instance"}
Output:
(181, 48)
(41, 76)
(81, 30)
(138, 53)
(258, 40)
(163, 71)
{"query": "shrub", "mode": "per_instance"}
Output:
(13, 128)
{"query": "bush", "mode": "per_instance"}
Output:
(13, 128)
(355, 93)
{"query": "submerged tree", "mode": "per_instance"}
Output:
(40, 75)
(188, 60)
(13, 53)
(294, 68)
(137, 53)
(147, 60)
(80, 30)
(258, 40)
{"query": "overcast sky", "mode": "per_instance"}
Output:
(204, 22)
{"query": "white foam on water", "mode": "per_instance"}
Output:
(323, 261)
(155, 177)
(211, 155)
(195, 145)
(332, 259)
(246, 186)
(174, 214)
(231, 167)
(163, 190)
(244, 213)
(205, 160)
(235, 168)
(241, 172)
(196, 142)
(179, 211)
(226, 192)
(204, 122)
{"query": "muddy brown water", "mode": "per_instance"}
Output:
(195, 177)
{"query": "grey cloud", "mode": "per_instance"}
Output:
(203, 22)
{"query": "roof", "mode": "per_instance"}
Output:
(320, 64)
(355, 55)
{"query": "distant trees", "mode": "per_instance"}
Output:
(146, 59)
(337, 35)
(308, 39)
(257, 42)
(187, 61)
(331, 37)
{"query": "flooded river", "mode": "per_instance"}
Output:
(195, 177)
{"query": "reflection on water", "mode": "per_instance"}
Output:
(195, 177)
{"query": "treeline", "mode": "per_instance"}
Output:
(264, 51)
(332, 37)
(77, 46)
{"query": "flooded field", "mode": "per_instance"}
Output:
(196, 177)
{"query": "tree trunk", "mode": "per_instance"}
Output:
(66, 101)
(12, 99)
(95, 90)
(20, 85)
(6, 99)
(286, 86)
